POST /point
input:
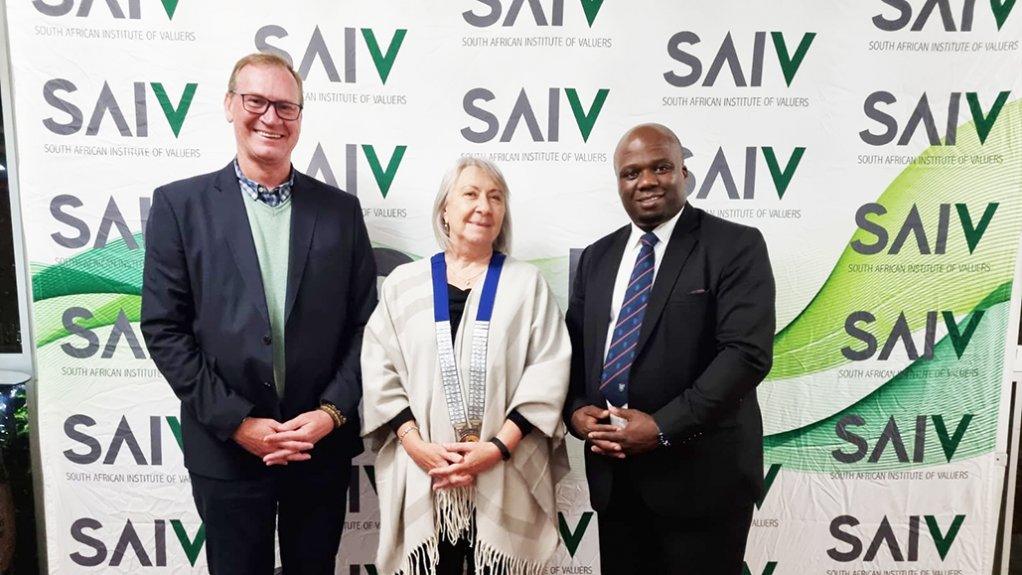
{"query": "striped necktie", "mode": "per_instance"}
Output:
(621, 354)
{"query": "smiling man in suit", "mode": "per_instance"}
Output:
(258, 282)
(672, 323)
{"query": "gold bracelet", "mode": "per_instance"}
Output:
(330, 413)
(334, 413)
(401, 436)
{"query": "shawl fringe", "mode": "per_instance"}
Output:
(452, 520)
(453, 510)
(422, 560)
(488, 559)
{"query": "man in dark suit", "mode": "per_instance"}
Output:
(672, 324)
(258, 281)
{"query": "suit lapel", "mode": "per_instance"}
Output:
(229, 206)
(678, 249)
(601, 285)
(304, 200)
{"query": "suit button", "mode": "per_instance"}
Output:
(267, 384)
(267, 339)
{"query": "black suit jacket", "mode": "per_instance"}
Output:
(206, 324)
(706, 341)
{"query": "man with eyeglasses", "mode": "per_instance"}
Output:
(258, 282)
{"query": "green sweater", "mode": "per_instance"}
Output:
(271, 232)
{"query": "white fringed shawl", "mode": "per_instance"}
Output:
(528, 363)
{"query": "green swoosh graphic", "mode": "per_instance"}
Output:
(943, 386)
(111, 269)
(812, 342)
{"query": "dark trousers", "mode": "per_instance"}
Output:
(459, 558)
(635, 539)
(455, 558)
(239, 517)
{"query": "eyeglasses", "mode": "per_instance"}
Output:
(258, 105)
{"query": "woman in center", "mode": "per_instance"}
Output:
(465, 369)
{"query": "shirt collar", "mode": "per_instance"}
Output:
(663, 232)
(258, 192)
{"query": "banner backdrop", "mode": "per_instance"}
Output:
(876, 143)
